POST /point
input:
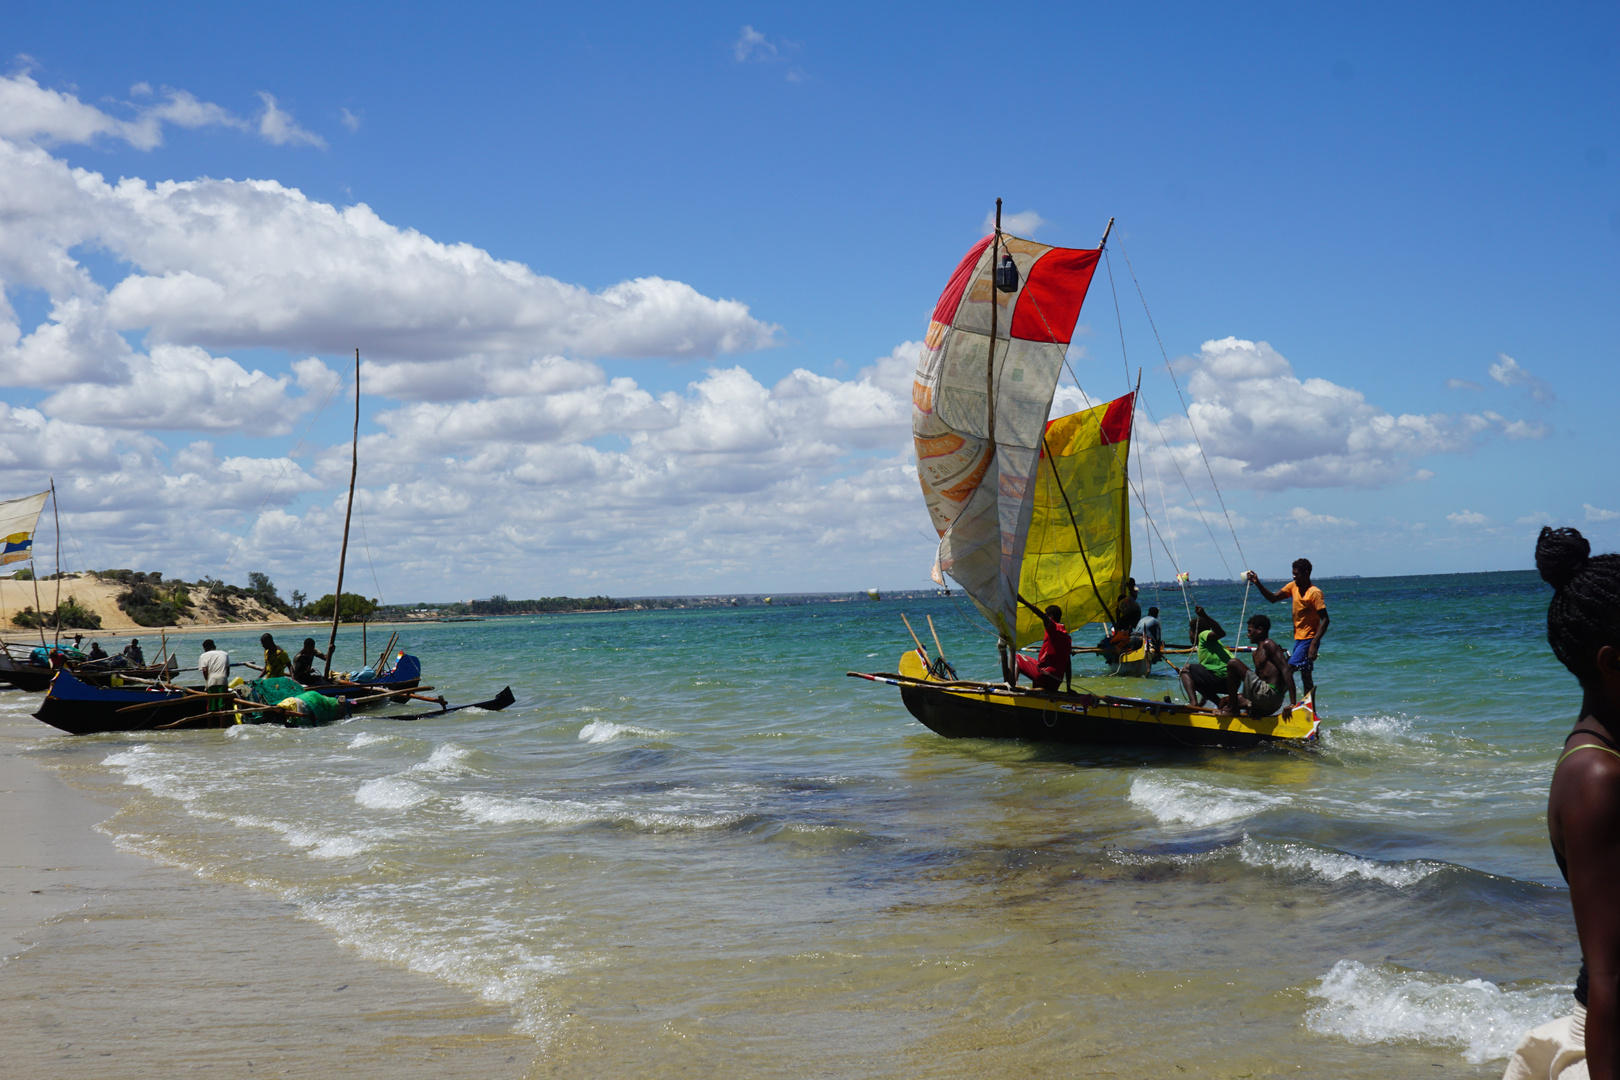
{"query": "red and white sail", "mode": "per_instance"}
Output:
(979, 496)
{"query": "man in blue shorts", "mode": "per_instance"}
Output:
(1310, 619)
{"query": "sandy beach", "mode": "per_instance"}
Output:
(111, 964)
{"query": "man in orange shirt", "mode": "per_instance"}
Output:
(1310, 619)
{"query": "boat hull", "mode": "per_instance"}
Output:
(78, 708)
(31, 678)
(986, 711)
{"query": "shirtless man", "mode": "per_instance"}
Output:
(1262, 686)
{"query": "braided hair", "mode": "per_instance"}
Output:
(1584, 614)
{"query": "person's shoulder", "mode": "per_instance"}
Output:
(1316, 594)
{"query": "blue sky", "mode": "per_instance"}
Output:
(1393, 199)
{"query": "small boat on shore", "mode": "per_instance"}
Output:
(80, 708)
(28, 668)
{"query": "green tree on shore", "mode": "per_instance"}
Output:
(354, 608)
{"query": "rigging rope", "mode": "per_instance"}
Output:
(1190, 425)
(367, 544)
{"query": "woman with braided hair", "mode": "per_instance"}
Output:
(1583, 809)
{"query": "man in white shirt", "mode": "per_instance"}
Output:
(215, 665)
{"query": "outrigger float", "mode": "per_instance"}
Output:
(1034, 510)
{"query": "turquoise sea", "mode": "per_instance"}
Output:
(694, 847)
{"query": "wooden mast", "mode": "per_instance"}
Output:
(990, 365)
(343, 553)
(990, 401)
(56, 517)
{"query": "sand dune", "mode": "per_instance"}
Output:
(101, 597)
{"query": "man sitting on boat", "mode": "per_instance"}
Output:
(133, 653)
(1130, 611)
(97, 652)
(1151, 631)
(1050, 668)
(1209, 679)
(1262, 686)
(303, 663)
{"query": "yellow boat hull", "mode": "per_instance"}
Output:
(971, 710)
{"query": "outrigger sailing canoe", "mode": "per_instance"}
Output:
(1030, 506)
(79, 708)
(962, 709)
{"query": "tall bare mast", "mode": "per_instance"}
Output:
(990, 364)
(56, 518)
(343, 553)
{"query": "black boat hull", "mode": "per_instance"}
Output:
(972, 710)
(81, 709)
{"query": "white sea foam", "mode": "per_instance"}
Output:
(600, 731)
(369, 738)
(1367, 1004)
(497, 810)
(1177, 801)
(494, 810)
(326, 845)
(158, 772)
(447, 759)
(486, 956)
(1381, 727)
(1332, 865)
(391, 793)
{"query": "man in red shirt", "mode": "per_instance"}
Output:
(1050, 668)
(1310, 619)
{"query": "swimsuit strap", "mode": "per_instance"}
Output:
(1598, 735)
(1586, 746)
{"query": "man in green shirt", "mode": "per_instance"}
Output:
(1207, 679)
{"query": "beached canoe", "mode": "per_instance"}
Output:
(79, 708)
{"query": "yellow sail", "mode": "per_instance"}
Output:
(1082, 469)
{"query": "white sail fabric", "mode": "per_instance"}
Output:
(979, 496)
(19, 519)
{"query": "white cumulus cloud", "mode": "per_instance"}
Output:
(1264, 427)
(218, 265)
(1508, 372)
(30, 112)
(1597, 513)
(1470, 518)
(753, 45)
(277, 126)
(1301, 516)
(1025, 223)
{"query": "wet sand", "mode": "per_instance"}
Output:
(114, 965)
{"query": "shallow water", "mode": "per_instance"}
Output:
(694, 845)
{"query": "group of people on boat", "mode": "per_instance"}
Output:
(215, 663)
(1216, 677)
(1256, 689)
(132, 656)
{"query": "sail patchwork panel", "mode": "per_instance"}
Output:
(1078, 551)
(978, 424)
(19, 520)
